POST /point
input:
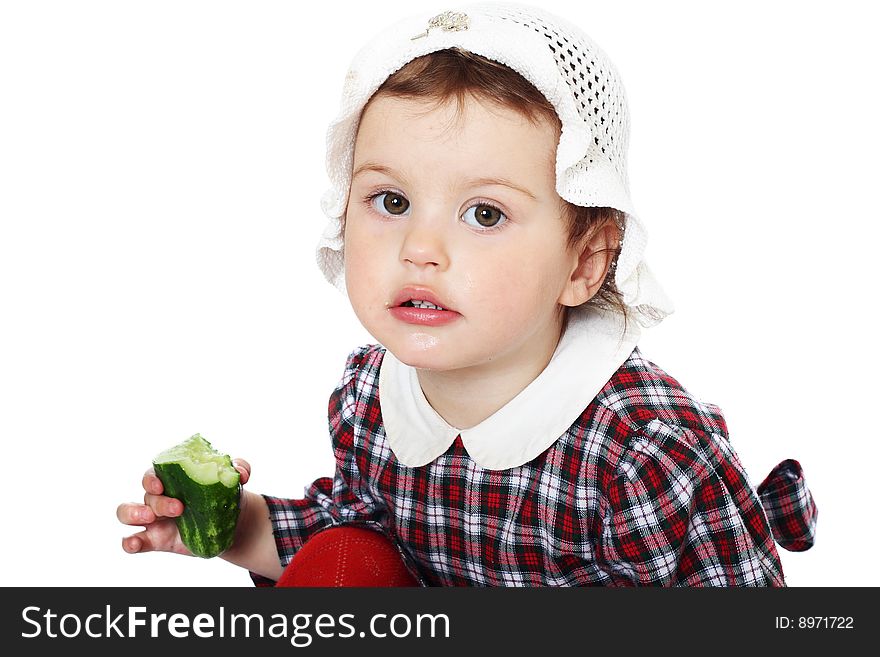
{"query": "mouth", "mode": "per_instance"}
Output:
(420, 297)
(419, 305)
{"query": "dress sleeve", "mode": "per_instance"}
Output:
(679, 511)
(790, 507)
(328, 501)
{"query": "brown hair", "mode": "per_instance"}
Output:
(455, 74)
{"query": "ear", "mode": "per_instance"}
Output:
(593, 257)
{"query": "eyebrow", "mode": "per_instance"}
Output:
(474, 182)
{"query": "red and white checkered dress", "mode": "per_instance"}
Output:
(644, 488)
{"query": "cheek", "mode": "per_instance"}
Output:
(501, 296)
(518, 284)
(358, 265)
(366, 263)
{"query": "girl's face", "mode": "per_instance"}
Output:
(461, 212)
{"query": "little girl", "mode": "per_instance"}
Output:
(507, 429)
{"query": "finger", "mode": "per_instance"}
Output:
(151, 483)
(135, 514)
(163, 506)
(136, 543)
(131, 544)
(160, 536)
(140, 542)
(244, 469)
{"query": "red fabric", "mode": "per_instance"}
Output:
(347, 556)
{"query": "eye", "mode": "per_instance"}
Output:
(483, 215)
(390, 203)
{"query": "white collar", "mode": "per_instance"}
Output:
(588, 354)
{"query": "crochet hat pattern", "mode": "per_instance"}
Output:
(567, 67)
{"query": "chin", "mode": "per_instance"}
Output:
(422, 351)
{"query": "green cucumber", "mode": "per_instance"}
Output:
(208, 485)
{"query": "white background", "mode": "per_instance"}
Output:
(161, 166)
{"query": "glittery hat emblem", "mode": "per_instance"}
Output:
(448, 21)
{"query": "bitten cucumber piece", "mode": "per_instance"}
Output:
(208, 485)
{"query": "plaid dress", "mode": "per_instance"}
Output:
(644, 488)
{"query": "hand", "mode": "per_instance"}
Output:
(156, 515)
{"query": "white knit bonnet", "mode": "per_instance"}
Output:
(564, 64)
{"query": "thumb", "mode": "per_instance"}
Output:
(244, 469)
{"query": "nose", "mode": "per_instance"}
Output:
(424, 243)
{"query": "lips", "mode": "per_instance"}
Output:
(411, 307)
(410, 294)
